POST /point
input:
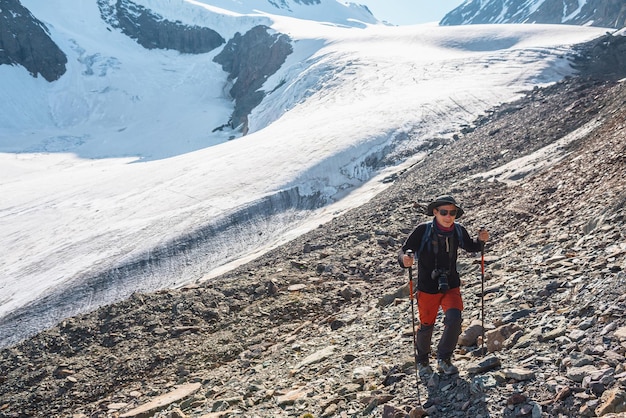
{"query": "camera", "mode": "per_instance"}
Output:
(442, 279)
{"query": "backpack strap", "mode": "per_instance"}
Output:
(425, 238)
(459, 234)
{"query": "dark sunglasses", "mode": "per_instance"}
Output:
(445, 212)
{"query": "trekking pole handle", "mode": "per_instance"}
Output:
(482, 243)
(410, 254)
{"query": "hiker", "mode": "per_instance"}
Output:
(436, 245)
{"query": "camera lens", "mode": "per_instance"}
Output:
(443, 283)
(442, 280)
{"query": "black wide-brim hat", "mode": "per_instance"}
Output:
(444, 200)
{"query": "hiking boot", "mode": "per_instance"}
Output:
(424, 368)
(446, 367)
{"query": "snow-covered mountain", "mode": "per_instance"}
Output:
(31, 37)
(126, 172)
(601, 13)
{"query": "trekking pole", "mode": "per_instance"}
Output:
(482, 292)
(417, 378)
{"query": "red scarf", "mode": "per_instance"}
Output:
(443, 228)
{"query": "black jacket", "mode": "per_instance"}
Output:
(440, 253)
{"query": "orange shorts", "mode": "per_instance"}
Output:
(428, 304)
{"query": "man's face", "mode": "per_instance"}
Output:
(445, 214)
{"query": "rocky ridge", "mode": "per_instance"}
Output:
(321, 327)
(152, 31)
(25, 41)
(249, 60)
(602, 13)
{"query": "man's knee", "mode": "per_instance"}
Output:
(453, 317)
(426, 328)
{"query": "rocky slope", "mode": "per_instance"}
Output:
(26, 41)
(602, 13)
(322, 326)
(152, 31)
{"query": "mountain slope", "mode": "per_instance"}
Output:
(347, 105)
(602, 13)
(320, 325)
